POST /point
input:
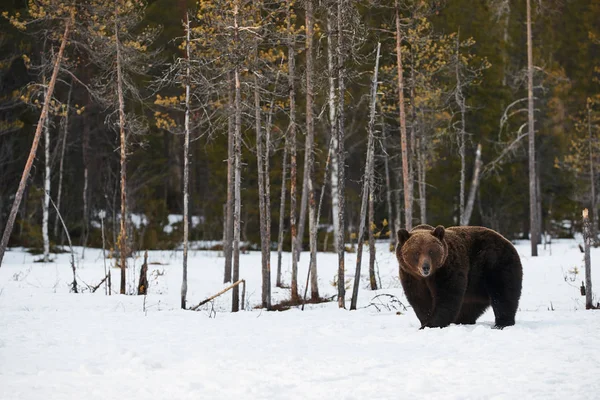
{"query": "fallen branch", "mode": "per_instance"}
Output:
(93, 289)
(242, 281)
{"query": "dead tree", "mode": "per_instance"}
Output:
(368, 182)
(36, 139)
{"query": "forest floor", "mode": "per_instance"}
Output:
(59, 345)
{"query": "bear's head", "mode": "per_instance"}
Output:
(422, 251)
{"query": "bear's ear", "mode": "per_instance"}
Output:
(403, 236)
(439, 232)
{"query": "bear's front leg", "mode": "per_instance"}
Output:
(449, 295)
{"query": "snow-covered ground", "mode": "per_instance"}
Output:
(59, 345)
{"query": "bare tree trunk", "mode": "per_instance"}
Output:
(310, 144)
(371, 221)
(332, 122)
(293, 162)
(473, 190)
(461, 137)
(186, 163)
(260, 158)
(85, 211)
(416, 148)
(123, 228)
(538, 205)
(421, 176)
(388, 187)
(303, 199)
(533, 215)
(592, 179)
(368, 183)
(228, 245)
(587, 239)
(267, 194)
(282, 211)
(85, 146)
(36, 139)
(46, 203)
(237, 174)
(403, 136)
(371, 225)
(62, 157)
(398, 200)
(341, 157)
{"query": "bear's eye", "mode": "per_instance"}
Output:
(430, 253)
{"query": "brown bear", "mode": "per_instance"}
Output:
(453, 275)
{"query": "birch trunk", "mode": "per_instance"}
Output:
(403, 136)
(310, 144)
(235, 299)
(123, 227)
(303, 199)
(460, 101)
(474, 186)
(533, 215)
(341, 156)
(186, 163)
(46, 203)
(36, 140)
(293, 161)
(335, 209)
(368, 182)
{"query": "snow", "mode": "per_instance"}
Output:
(59, 345)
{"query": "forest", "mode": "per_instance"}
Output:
(291, 125)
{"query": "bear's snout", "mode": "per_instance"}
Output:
(426, 268)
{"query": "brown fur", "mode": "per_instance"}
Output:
(453, 275)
